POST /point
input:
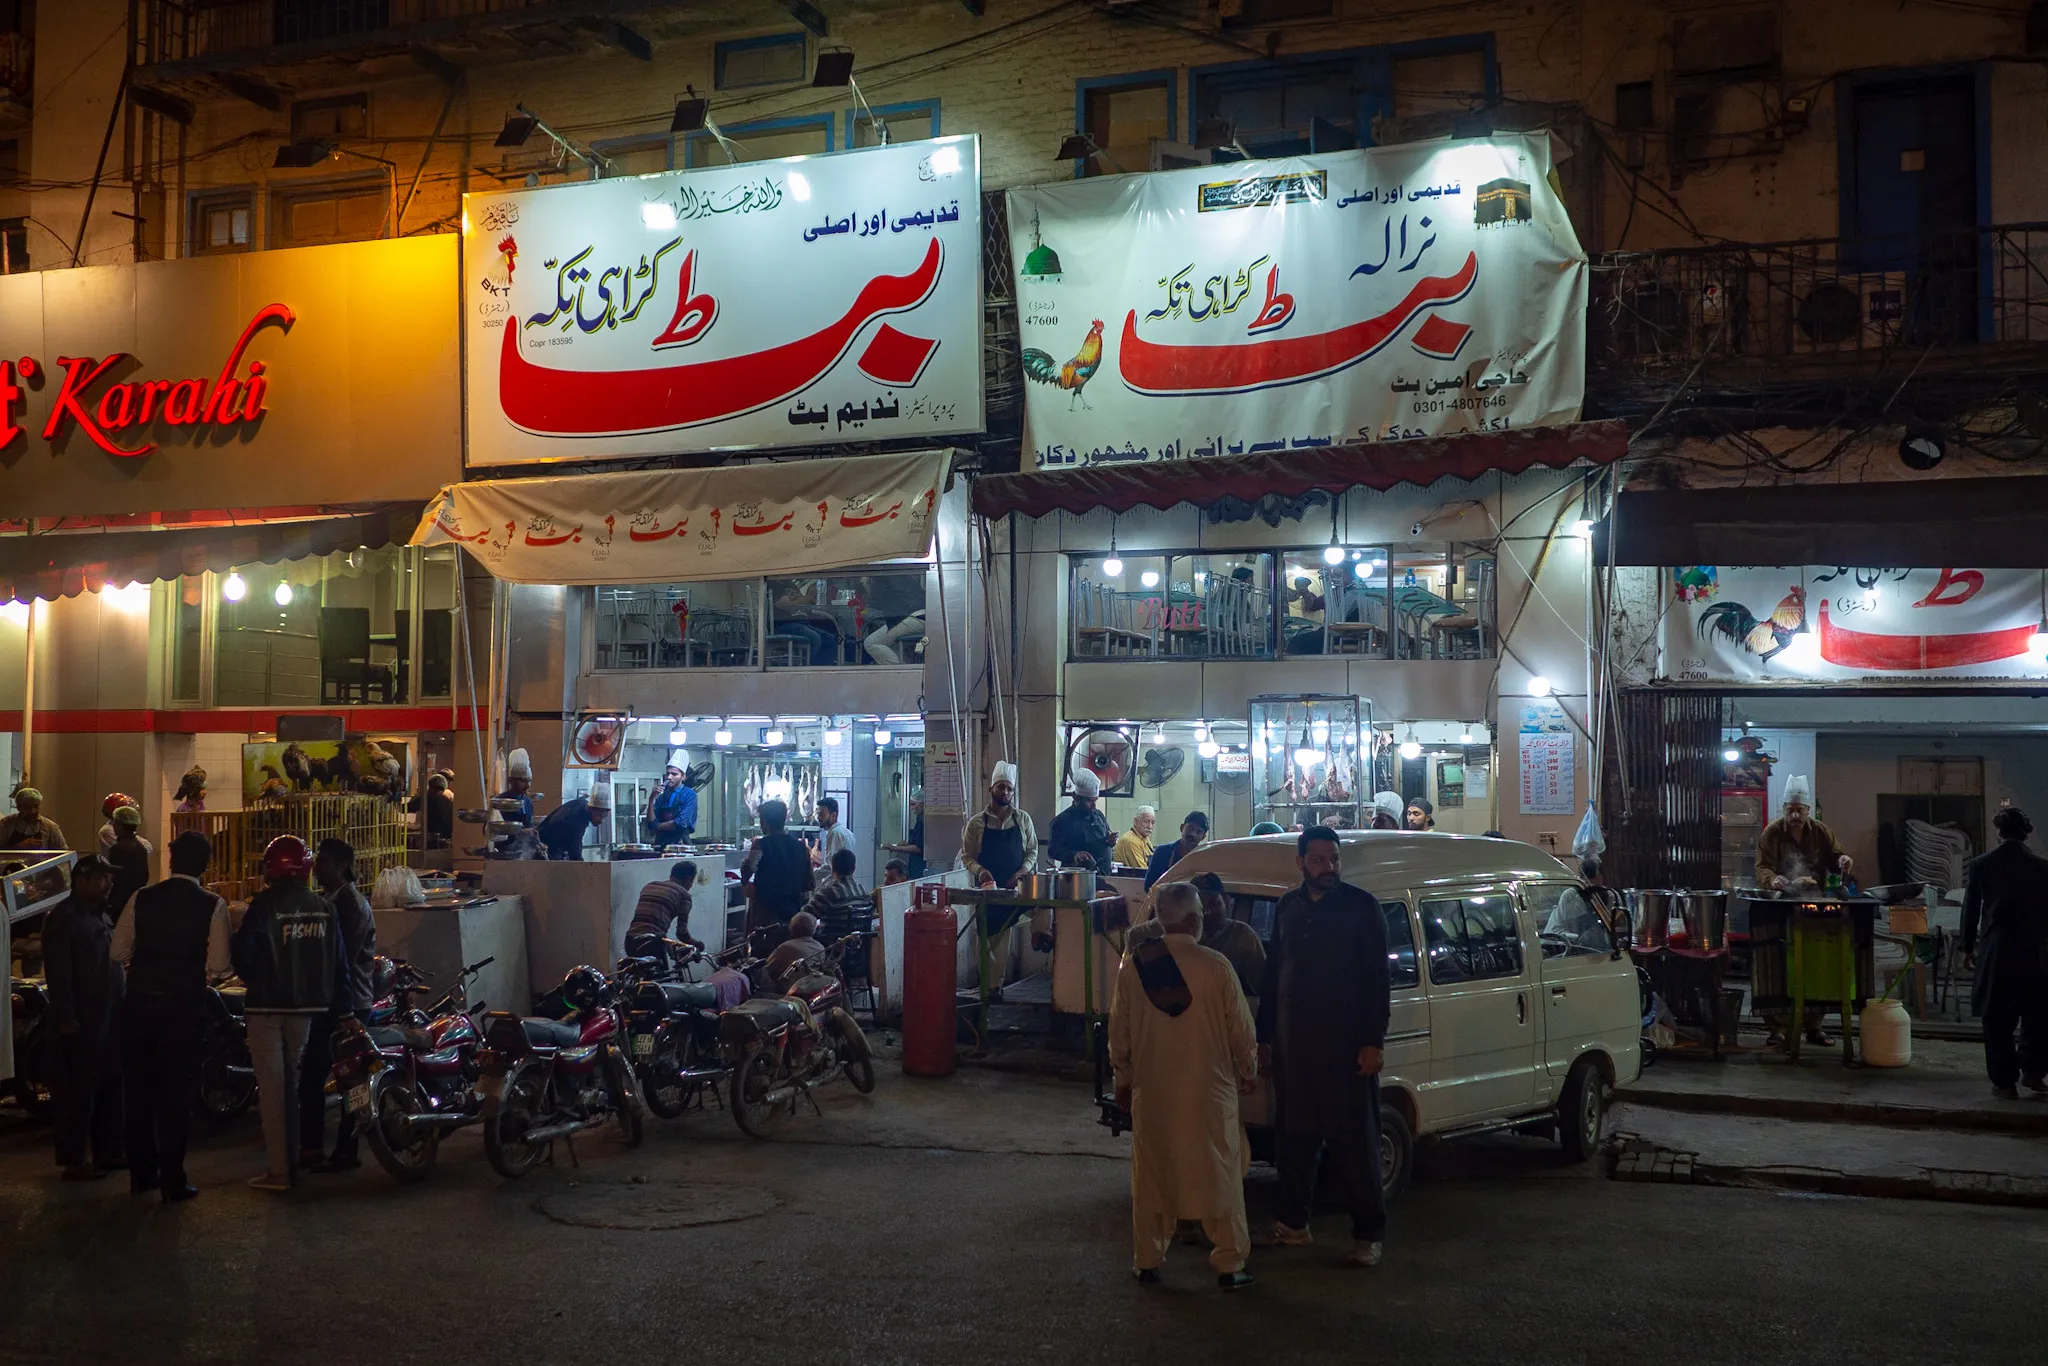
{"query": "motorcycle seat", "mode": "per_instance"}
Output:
(551, 1033)
(383, 1036)
(770, 1012)
(690, 995)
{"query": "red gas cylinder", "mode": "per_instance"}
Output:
(931, 979)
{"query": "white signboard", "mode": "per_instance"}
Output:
(1796, 624)
(807, 301)
(1419, 290)
(1547, 760)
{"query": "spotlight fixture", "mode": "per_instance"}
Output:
(835, 68)
(690, 114)
(304, 152)
(1078, 146)
(518, 128)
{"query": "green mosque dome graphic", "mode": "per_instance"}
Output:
(1042, 260)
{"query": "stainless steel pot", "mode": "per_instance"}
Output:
(1706, 919)
(1650, 917)
(1074, 884)
(1033, 886)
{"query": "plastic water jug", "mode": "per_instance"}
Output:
(1886, 1031)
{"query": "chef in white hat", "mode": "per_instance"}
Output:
(518, 785)
(671, 815)
(1000, 841)
(1080, 837)
(562, 832)
(1797, 853)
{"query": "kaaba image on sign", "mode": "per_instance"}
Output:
(1502, 201)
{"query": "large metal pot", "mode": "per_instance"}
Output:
(1033, 886)
(1650, 917)
(1706, 919)
(1074, 884)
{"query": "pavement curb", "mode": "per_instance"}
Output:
(1637, 1160)
(2021, 1119)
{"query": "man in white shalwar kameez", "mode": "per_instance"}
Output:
(1183, 1046)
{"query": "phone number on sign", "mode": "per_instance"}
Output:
(1452, 405)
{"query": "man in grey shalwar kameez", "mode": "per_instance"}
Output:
(1323, 1028)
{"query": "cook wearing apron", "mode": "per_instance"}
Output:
(1000, 841)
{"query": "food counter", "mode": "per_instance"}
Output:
(577, 913)
(440, 940)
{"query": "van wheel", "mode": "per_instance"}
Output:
(1581, 1111)
(1397, 1152)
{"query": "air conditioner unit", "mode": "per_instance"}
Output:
(1864, 312)
(1173, 156)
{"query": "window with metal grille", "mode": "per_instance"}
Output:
(223, 223)
(776, 59)
(1122, 116)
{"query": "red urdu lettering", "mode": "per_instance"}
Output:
(1954, 588)
(80, 373)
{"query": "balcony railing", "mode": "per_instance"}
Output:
(180, 30)
(1784, 301)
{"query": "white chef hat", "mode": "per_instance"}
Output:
(518, 764)
(1799, 788)
(679, 759)
(1389, 804)
(601, 794)
(1086, 784)
(1003, 772)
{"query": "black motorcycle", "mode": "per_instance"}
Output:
(543, 1079)
(35, 1047)
(672, 1030)
(412, 1079)
(227, 1074)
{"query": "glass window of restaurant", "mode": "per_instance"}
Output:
(364, 627)
(872, 616)
(1418, 601)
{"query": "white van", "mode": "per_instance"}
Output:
(1512, 1004)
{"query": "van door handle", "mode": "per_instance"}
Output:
(1557, 991)
(1521, 1007)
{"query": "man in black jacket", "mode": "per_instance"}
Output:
(777, 872)
(2005, 937)
(289, 955)
(1080, 837)
(85, 991)
(334, 868)
(173, 939)
(1322, 1031)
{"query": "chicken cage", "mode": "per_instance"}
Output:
(374, 826)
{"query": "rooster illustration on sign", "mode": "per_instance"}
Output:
(1075, 374)
(1761, 638)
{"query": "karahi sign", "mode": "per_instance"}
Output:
(266, 379)
(106, 414)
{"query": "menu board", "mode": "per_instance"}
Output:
(945, 793)
(1547, 760)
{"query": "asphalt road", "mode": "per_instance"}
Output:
(981, 1219)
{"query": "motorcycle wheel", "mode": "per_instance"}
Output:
(859, 1059)
(519, 1108)
(407, 1153)
(673, 1052)
(625, 1104)
(751, 1080)
(223, 1095)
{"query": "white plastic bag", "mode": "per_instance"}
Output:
(397, 887)
(1589, 842)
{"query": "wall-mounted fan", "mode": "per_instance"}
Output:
(699, 775)
(596, 740)
(1159, 765)
(1105, 751)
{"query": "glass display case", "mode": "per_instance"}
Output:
(35, 879)
(1311, 757)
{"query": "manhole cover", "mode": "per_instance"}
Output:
(651, 1207)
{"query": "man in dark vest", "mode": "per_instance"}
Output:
(2005, 938)
(779, 870)
(173, 938)
(290, 956)
(1322, 1033)
(85, 992)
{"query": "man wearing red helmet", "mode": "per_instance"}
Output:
(290, 957)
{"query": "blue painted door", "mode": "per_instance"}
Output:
(1911, 189)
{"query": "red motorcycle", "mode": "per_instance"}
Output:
(413, 1079)
(779, 1046)
(546, 1079)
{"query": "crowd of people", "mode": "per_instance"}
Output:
(131, 966)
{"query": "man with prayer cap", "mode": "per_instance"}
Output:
(1000, 841)
(561, 833)
(1181, 1041)
(518, 783)
(28, 827)
(1797, 853)
(672, 811)
(1079, 836)
(1134, 846)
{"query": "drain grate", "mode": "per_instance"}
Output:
(651, 1208)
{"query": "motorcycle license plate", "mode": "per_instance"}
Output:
(490, 1087)
(643, 1045)
(359, 1099)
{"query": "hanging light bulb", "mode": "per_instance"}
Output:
(1730, 755)
(1362, 569)
(1113, 568)
(1333, 553)
(1539, 686)
(1308, 758)
(234, 588)
(1149, 579)
(721, 737)
(834, 736)
(1159, 735)
(678, 737)
(1208, 749)
(1411, 748)
(283, 595)
(772, 736)
(882, 736)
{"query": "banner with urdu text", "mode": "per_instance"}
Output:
(1419, 290)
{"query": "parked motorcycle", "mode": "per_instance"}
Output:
(672, 1031)
(227, 1074)
(779, 1046)
(35, 1047)
(412, 1080)
(547, 1079)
